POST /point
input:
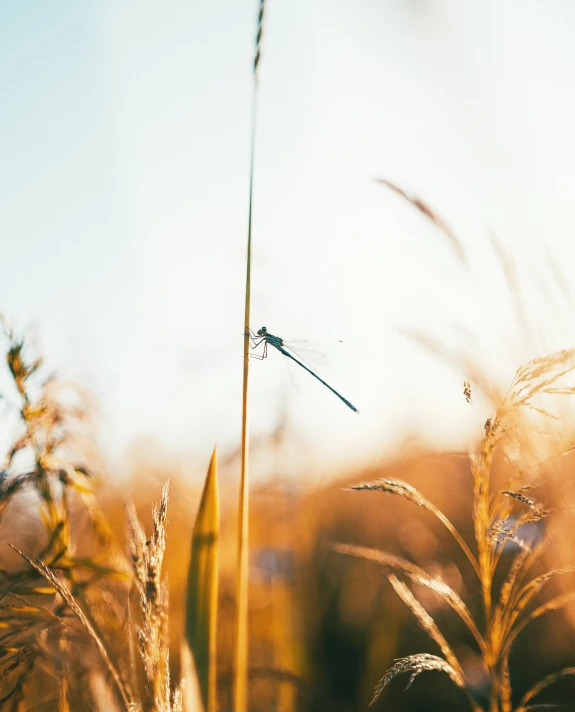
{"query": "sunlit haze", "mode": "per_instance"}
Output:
(124, 154)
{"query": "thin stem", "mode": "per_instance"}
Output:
(241, 652)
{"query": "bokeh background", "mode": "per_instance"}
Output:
(124, 158)
(124, 144)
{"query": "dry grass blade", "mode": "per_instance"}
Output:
(541, 685)
(531, 589)
(403, 489)
(511, 578)
(557, 391)
(426, 621)
(430, 214)
(551, 605)
(542, 411)
(63, 591)
(504, 609)
(202, 594)
(414, 665)
(418, 575)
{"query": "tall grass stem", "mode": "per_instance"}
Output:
(241, 652)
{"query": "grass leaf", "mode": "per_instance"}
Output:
(202, 595)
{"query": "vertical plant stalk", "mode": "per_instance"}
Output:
(241, 652)
(202, 595)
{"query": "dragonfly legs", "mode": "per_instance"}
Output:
(254, 343)
(264, 354)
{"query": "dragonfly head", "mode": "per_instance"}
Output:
(263, 331)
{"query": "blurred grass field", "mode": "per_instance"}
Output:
(323, 627)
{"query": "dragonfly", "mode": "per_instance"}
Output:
(264, 337)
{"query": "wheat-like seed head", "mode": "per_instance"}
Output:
(414, 665)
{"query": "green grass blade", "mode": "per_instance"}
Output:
(202, 595)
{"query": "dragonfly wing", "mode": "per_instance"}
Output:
(313, 352)
(311, 358)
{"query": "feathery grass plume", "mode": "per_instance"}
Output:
(152, 593)
(241, 651)
(431, 215)
(497, 518)
(202, 593)
(68, 598)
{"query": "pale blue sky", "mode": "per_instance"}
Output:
(123, 201)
